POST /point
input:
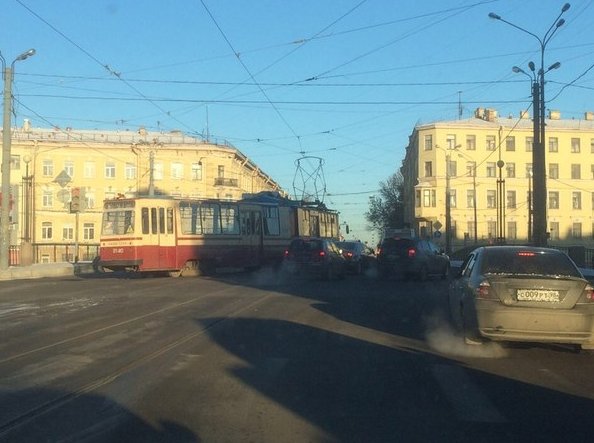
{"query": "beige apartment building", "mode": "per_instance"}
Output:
(486, 162)
(48, 166)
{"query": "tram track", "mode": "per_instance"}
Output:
(229, 312)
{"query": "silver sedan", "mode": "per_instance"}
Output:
(519, 293)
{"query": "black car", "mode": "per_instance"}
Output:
(411, 257)
(317, 257)
(358, 256)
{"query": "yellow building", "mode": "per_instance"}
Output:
(486, 160)
(48, 166)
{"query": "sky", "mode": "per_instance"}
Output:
(324, 89)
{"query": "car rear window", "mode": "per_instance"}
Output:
(347, 245)
(396, 244)
(306, 245)
(506, 261)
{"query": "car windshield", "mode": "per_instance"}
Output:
(510, 261)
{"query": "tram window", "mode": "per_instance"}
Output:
(211, 219)
(162, 220)
(271, 221)
(154, 220)
(170, 220)
(145, 220)
(229, 220)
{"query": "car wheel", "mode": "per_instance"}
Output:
(471, 336)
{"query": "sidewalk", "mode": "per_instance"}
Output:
(40, 270)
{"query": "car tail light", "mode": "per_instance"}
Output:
(286, 252)
(589, 293)
(349, 254)
(412, 252)
(483, 290)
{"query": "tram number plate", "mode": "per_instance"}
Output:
(537, 295)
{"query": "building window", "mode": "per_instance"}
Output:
(471, 142)
(593, 201)
(553, 144)
(575, 145)
(512, 230)
(470, 198)
(470, 229)
(89, 197)
(110, 170)
(510, 143)
(89, 231)
(553, 200)
(452, 168)
(528, 170)
(221, 171)
(89, 171)
(592, 145)
(46, 231)
(130, 171)
(510, 168)
(554, 170)
(576, 231)
(48, 168)
(576, 200)
(450, 141)
(69, 168)
(417, 198)
(554, 231)
(511, 199)
(453, 199)
(529, 144)
(428, 169)
(429, 199)
(15, 161)
(67, 233)
(428, 142)
(471, 169)
(491, 169)
(177, 171)
(47, 199)
(576, 171)
(158, 171)
(492, 229)
(197, 171)
(491, 198)
(491, 143)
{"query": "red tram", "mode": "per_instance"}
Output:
(196, 236)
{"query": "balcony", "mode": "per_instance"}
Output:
(229, 182)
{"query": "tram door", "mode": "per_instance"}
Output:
(251, 236)
(159, 238)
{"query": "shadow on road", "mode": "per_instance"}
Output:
(41, 414)
(356, 390)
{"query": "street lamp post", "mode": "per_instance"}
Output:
(539, 227)
(6, 140)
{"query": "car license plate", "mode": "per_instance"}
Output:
(537, 295)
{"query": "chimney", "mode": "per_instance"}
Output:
(524, 114)
(490, 114)
(554, 115)
(589, 115)
(26, 125)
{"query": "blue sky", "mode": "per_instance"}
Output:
(345, 81)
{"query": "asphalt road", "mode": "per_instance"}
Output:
(252, 358)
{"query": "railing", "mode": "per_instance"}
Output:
(221, 181)
(55, 252)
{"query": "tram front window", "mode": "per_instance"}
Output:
(118, 223)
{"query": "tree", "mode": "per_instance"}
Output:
(387, 209)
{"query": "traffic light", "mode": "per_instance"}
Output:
(75, 200)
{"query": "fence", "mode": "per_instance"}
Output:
(55, 252)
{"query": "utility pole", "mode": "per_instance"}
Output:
(448, 208)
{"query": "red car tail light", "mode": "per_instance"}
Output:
(412, 252)
(484, 290)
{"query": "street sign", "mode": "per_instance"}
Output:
(437, 225)
(437, 234)
(63, 178)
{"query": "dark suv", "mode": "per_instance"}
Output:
(318, 257)
(407, 257)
